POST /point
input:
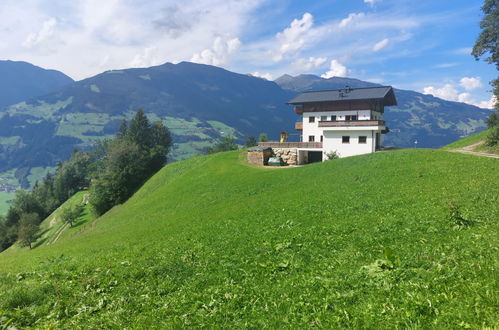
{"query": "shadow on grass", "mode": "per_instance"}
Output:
(79, 223)
(38, 243)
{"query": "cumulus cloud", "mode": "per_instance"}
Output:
(351, 18)
(218, 53)
(380, 45)
(447, 92)
(267, 75)
(306, 64)
(293, 38)
(450, 92)
(336, 70)
(147, 58)
(470, 83)
(47, 31)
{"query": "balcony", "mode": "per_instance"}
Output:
(298, 110)
(304, 145)
(299, 126)
(351, 123)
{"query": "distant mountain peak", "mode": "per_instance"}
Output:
(20, 81)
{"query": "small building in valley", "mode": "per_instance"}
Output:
(346, 121)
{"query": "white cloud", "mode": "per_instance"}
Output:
(488, 104)
(470, 83)
(350, 19)
(450, 92)
(47, 30)
(292, 39)
(306, 64)
(336, 70)
(146, 59)
(444, 65)
(447, 92)
(380, 45)
(267, 75)
(218, 53)
(371, 2)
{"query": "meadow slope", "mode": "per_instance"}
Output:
(393, 239)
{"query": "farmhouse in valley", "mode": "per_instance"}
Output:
(347, 121)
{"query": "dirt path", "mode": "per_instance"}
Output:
(469, 150)
(57, 234)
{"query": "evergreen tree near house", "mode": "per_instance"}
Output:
(251, 141)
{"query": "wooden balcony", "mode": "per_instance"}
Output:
(299, 126)
(305, 145)
(298, 110)
(351, 123)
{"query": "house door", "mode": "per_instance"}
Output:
(314, 156)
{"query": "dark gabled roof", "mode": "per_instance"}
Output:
(347, 94)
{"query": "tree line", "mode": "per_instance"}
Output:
(113, 170)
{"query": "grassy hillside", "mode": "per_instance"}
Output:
(392, 239)
(467, 140)
(54, 228)
(478, 139)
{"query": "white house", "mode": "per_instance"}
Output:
(347, 121)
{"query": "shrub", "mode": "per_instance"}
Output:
(492, 139)
(333, 155)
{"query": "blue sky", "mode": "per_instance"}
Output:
(420, 45)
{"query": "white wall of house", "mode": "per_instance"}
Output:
(333, 141)
(313, 129)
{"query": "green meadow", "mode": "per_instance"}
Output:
(400, 239)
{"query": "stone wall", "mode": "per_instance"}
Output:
(259, 156)
(288, 155)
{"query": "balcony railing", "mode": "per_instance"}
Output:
(299, 126)
(307, 145)
(351, 123)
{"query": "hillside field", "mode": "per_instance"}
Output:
(400, 239)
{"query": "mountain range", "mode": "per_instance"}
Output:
(199, 103)
(21, 80)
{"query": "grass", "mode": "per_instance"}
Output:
(53, 228)
(402, 239)
(467, 140)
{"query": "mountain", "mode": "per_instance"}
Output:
(429, 120)
(406, 238)
(21, 80)
(199, 103)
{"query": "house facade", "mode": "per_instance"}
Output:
(347, 121)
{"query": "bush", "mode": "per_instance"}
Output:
(492, 139)
(333, 155)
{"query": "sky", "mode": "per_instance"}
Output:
(420, 45)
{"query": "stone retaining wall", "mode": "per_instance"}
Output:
(288, 155)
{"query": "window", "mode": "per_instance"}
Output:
(322, 138)
(311, 138)
(362, 139)
(351, 117)
(354, 117)
(323, 118)
(333, 118)
(311, 119)
(345, 139)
